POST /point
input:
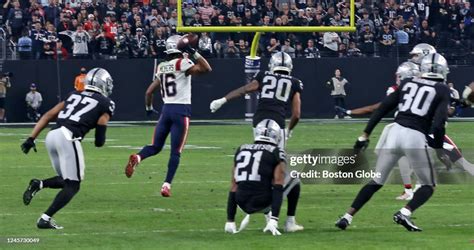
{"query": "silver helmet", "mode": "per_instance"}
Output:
(421, 50)
(172, 44)
(267, 131)
(407, 69)
(434, 66)
(280, 61)
(99, 80)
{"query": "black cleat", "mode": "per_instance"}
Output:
(342, 223)
(30, 192)
(405, 221)
(44, 224)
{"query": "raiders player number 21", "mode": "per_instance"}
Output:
(76, 115)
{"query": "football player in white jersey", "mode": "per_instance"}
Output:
(173, 78)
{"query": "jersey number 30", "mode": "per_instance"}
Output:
(278, 88)
(417, 100)
(72, 102)
(244, 158)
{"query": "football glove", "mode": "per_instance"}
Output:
(217, 104)
(288, 134)
(360, 145)
(272, 226)
(230, 227)
(342, 110)
(28, 144)
(150, 110)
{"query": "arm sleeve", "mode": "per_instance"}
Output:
(231, 207)
(297, 85)
(110, 108)
(388, 104)
(439, 120)
(100, 135)
(277, 200)
(259, 78)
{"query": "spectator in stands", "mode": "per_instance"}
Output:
(386, 41)
(205, 45)
(331, 43)
(33, 101)
(51, 12)
(365, 21)
(158, 43)
(105, 46)
(427, 34)
(273, 47)
(299, 50)
(4, 85)
(25, 46)
(16, 20)
(353, 51)
(48, 52)
(287, 48)
(243, 48)
(337, 86)
(231, 51)
(311, 51)
(80, 80)
(80, 39)
(61, 51)
(139, 44)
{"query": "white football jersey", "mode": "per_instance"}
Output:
(175, 84)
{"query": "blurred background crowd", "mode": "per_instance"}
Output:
(110, 29)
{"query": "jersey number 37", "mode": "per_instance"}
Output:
(72, 103)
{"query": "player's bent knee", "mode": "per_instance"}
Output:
(74, 186)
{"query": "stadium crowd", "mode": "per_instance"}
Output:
(109, 29)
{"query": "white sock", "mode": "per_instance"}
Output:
(139, 158)
(405, 212)
(166, 184)
(41, 184)
(348, 217)
(408, 191)
(291, 219)
(463, 163)
(45, 217)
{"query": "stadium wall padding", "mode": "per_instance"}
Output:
(368, 77)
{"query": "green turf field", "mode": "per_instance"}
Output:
(112, 211)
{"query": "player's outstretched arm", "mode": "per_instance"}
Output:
(295, 111)
(201, 67)
(149, 96)
(29, 143)
(248, 88)
(369, 109)
(101, 129)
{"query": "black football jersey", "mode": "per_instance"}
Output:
(276, 92)
(418, 103)
(82, 110)
(254, 167)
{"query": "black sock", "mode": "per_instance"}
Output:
(365, 194)
(421, 196)
(293, 197)
(63, 197)
(53, 182)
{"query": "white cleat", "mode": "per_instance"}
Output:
(405, 197)
(291, 227)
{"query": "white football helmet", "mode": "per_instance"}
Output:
(407, 69)
(421, 50)
(280, 61)
(171, 44)
(267, 131)
(99, 80)
(434, 66)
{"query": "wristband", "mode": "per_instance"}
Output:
(197, 56)
(148, 108)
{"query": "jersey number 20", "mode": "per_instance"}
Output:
(244, 158)
(417, 99)
(278, 88)
(71, 104)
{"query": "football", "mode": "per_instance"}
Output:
(188, 39)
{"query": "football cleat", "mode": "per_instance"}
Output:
(342, 223)
(166, 190)
(291, 226)
(405, 196)
(406, 222)
(31, 191)
(131, 165)
(45, 224)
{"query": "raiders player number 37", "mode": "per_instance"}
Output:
(76, 115)
(422, 104)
